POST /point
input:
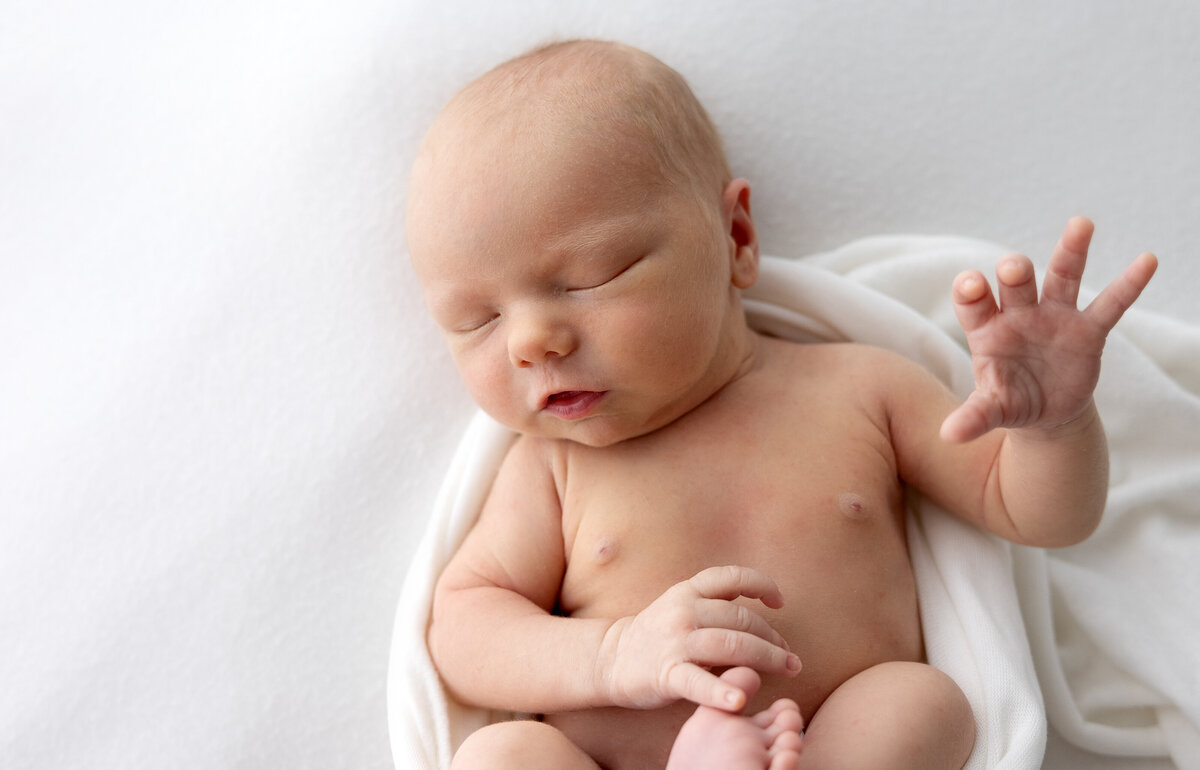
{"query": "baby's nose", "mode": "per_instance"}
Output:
(535, 338)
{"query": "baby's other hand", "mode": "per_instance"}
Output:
(1036, 363)
(666, 651)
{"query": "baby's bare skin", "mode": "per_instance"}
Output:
(686, 495)
(813, 500)
(782, 472)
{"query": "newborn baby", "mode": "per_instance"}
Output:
(694, 554)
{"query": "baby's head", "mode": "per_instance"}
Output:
(580, 239)
(606, 95)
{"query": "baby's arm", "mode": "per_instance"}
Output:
(1042, 479)
(497, 644)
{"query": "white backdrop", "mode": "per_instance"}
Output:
(223, 414)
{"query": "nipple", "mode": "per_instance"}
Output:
(853, 506)
(605, 550)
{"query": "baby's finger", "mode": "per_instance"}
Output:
(1065, 269)
(1017, 284)
(701, 686)
(1108, 307)
(975, 417)
(973, 302)
(715, 613)
(722, 647)
(731, 582)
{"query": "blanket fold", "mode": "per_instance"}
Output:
(1106, 626)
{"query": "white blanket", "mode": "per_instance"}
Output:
(1109, 623)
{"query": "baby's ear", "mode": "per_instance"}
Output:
(743, 238)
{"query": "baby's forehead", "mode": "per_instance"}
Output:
(498, 138)
(556, 110)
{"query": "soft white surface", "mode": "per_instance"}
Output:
(223, 415)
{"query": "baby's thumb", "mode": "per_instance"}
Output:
(975, 417)
(704, 688)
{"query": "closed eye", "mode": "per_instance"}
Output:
(609, 279)
(476, 325)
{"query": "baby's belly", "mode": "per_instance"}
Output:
(850, 603)
(622, 739)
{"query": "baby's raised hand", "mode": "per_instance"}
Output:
(664, 653)
(1037, 363)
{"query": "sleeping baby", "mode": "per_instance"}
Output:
(694, 553)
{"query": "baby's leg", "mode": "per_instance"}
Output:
(717, 739)
(521, 745)
(894, 715)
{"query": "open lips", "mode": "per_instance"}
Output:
(573, 404)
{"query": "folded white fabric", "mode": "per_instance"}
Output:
(894, 292)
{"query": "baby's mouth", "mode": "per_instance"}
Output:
(566, 395)
(573, 404)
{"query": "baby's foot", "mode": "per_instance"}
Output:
(711, 738)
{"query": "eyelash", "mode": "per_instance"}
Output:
(471, 329)
(478, 326)
(610, 279)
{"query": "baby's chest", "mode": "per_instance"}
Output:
(804, 511)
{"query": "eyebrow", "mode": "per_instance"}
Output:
(581, 240)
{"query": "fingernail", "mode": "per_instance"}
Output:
(1012, 270)
(793, 663)
(971, 287)
(733, 697)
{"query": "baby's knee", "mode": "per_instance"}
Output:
(946, 698)
(896, 714)
(518, 744)
(502, 744)
(939, 715)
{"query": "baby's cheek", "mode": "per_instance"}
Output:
(488, 386)
(627, 329)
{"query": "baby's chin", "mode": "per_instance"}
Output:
(588, 435)
(595, 432)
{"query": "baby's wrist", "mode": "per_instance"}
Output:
(604, 673)
(1084, 421)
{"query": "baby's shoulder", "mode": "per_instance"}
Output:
(852, 372)
(832, 360)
